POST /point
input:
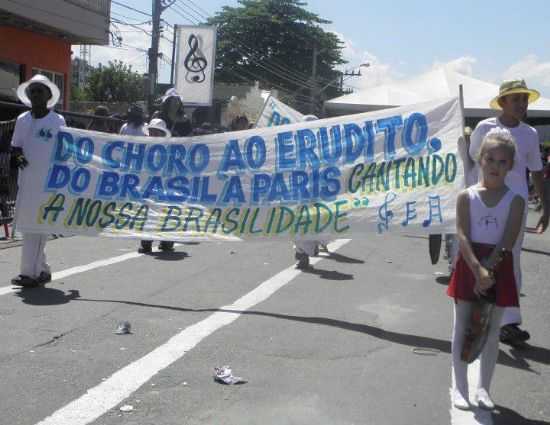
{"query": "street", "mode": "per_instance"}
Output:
(362, 338)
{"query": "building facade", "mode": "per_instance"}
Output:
(36, 38)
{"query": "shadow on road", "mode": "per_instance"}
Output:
(169, 256)
(417, 342)
(328, 274)
(46, 296)
(536, 251)
(505, 416)
(343, 258)
(443, 280)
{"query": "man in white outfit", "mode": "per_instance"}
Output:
(27, 153)
(513, 100)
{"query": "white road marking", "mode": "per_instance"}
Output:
(475, 416)
(119, 386)
(80, 269)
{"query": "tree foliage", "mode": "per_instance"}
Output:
(116, 82)
(274, 41)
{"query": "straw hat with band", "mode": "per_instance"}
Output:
(38, 79)
(514, 87)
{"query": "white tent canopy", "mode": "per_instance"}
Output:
(438, 83)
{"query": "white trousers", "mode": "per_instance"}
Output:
(305, 247)
(488, 356)
(33, 256)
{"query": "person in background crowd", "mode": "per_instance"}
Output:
(99, 124)
(239, 123)
(156, 128)
(135, 125)
(172, 113)
(513, 100)
(29, 155)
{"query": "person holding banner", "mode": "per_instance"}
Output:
(303, 249)
(513, 100)
(156, 128)
(490, 216)
(41, 95)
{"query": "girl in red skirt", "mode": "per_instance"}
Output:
(489, 217)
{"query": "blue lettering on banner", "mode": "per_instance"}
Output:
(410, 213)
(389, 127)
(434, 209)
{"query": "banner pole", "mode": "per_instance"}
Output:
(461, 100)
(262, 110)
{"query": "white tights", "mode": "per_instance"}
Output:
(488, 356)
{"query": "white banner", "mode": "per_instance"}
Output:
(276, 112)
(395, 170)
(195, 61)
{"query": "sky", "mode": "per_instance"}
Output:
(491, 40)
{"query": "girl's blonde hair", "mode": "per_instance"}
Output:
(501, 138)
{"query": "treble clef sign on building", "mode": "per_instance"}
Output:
(195, 63)
(196, 53)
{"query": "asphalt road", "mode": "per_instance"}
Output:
(364, 338)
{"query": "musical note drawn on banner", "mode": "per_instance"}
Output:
(195, 63)
(384, 214)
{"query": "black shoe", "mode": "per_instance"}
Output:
(24, 281)
(43, 278)
(323, 248)
(513, 335)
(303, 261)
(146, 247)
(166, 246)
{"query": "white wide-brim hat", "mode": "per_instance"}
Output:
(171, 92)
(39, 79)
(310, 118)
(159, 124)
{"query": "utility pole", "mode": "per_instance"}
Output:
(313, 90)
(348, 74)
(154, 54)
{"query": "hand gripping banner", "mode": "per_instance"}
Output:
(394, 170)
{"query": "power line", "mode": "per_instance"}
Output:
(132, 19)
(199, 7)
(130, 8)
(195, 13)
(131, 25)
(181, 12)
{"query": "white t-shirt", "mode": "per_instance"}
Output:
(130, 130)
(527, 153)
(36, 137)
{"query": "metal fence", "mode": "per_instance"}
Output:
(8, 176)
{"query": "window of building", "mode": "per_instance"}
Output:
(56, 78)
(10, 78)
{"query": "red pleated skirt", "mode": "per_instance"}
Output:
(461, 285)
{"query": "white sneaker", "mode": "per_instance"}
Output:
(484, 400)
(459, 401)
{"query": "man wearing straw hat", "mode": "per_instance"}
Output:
(512, 100)
(30, 143)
